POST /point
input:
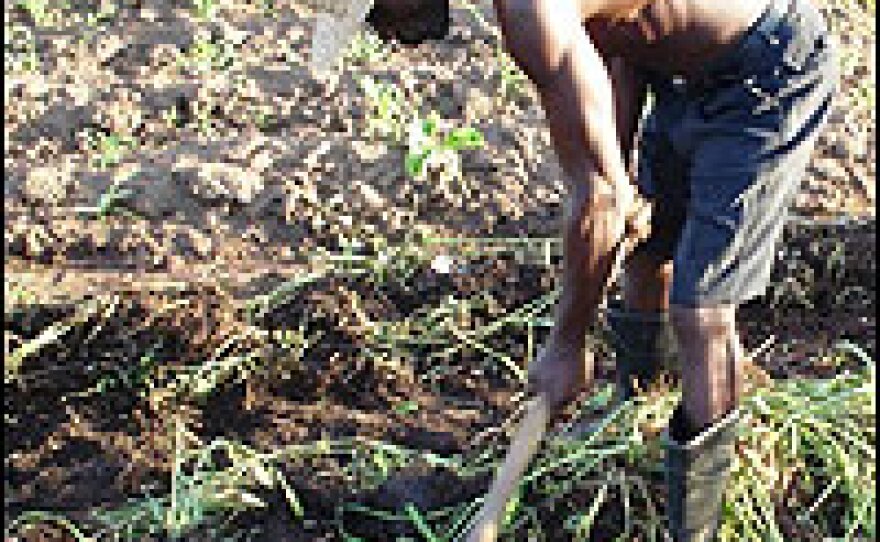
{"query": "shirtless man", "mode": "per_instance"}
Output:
(741, 91)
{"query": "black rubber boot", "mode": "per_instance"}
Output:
(698, 465)
(644, 346)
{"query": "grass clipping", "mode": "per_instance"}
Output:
(805, 468)
(804, 465)
(807, 438)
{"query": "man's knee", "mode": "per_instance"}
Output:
(712, 358)
(704, 322)
(709, 330)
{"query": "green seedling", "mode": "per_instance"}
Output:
(112, 202)
(406, 407)
(109, 148)
(205, 54)
(427, 145)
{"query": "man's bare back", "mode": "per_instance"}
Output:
(673, 36)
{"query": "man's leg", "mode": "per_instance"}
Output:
(702, 432)
(640, 330)
(712, 357)
(749, 145)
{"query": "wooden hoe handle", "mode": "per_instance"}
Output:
(523, 447)
(525, 443)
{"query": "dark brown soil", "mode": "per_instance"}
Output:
(71, 454)
(222, 215)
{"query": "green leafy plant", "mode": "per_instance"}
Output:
(406, 407)
(206, 54)
(109, 148)
(428, 145)
(111, 202)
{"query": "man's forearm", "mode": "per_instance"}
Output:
(591, 227)
(591, 234)
(550, 45)
(580, 109)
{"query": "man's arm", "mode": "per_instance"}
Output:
(630, 93)
(548, 41)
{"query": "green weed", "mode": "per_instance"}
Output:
(429, 145)
(109, 149)
(112, 202)
(207, 53)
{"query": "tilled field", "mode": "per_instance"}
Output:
(180, 202)
(101, 415)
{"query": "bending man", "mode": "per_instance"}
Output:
(741, 91)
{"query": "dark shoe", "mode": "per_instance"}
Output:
(644, 346)
(698, 465)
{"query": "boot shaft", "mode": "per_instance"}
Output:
(698, 466)
(645, 348)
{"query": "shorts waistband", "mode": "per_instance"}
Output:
(750, 48)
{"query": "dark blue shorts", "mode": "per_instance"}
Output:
(722, 156)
